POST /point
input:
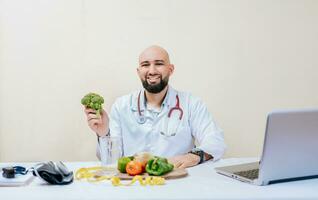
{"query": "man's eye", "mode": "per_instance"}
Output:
(159, 63)
(145, 65)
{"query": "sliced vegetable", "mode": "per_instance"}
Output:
(143, 157)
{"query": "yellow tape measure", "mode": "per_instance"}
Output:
(91, 175)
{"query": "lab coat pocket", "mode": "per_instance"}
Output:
(175, 144)
(175, 131)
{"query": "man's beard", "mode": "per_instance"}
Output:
(155, 88)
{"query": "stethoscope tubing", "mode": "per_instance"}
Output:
(176, 107)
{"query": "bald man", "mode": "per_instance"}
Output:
(159, 119)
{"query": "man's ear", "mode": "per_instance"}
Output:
(138, 72)
(171, 67)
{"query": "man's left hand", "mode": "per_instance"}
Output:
(184, 161)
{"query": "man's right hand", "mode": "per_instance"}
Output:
(99, 125)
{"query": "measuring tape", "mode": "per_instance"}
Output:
(91, 175)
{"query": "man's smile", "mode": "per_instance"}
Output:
(153, 79)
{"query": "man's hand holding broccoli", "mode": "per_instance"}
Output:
(97, 118)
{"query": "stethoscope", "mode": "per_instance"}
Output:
(54, 173)
(142, 119)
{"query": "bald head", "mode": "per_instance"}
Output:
(153, 53)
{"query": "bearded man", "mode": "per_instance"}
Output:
(159, 119)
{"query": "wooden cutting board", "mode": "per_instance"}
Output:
(176, 173)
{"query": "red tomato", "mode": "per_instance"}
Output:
(134, 168)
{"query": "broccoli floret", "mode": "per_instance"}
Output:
(94, 101)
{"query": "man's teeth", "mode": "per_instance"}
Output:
(153, 78)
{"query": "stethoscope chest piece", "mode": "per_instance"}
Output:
(141, 119)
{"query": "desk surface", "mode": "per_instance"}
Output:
(201, 183)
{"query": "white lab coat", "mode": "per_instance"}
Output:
(196, 126)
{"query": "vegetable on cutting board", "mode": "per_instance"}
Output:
(158, 166)
(143, 157)
(144, 162)
(122, 163)
(134, 168)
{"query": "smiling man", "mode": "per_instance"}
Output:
(159, 119)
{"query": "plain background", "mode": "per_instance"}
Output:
(243, 58)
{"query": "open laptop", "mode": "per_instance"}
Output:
(290, 150)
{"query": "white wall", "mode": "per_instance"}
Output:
(243, 58)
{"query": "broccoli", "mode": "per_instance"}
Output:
(94, 101)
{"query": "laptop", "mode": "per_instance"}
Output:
(290, 150)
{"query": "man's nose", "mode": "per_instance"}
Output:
(152, 69)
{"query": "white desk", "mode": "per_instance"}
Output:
(202, 183)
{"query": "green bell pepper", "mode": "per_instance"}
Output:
(158, 166)
(122, 162)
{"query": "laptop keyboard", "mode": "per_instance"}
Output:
(250, 174)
